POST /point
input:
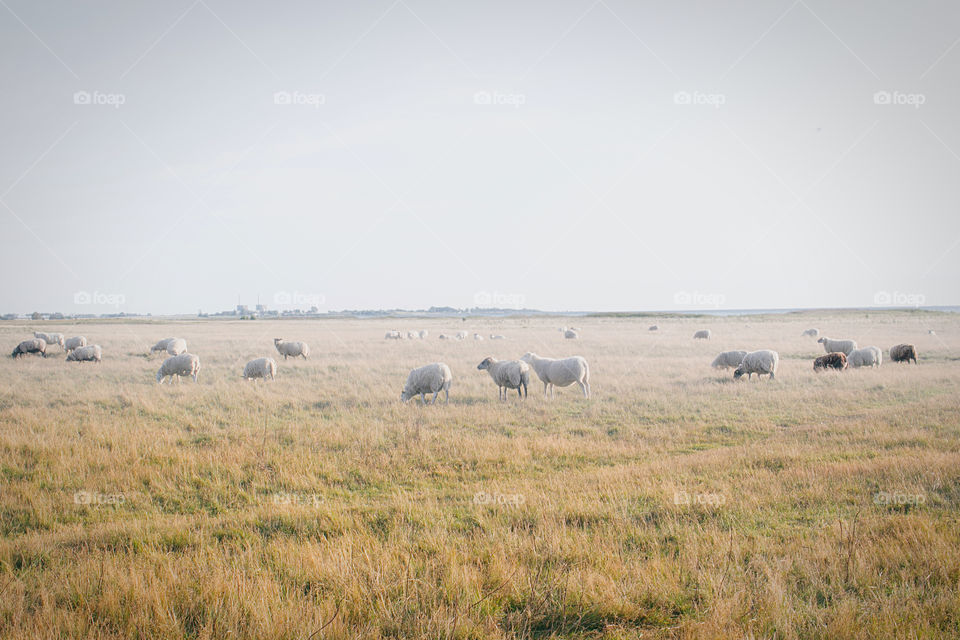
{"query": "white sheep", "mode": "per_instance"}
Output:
(161, 345)
(842, 346)
(74, 343)
(91, 353)
(412, 335)
(813, 333)
(185, 364)
(508, 374)
(931, 332)
(702, 334)
(570, 334)
(431, 378)
(423, 334)
(33, 345)
(562, 372)
(477, 336)
(865, 357)
(291, 349)
(728, 359)
(50, 338)
(758, 362)
(497, 336)
(461, 335)
(177, 346)
(393, 335)
(260, 368)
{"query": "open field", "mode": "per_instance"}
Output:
(676, 503)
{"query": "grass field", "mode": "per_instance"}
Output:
(676, 503)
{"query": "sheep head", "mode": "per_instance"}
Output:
(486, 363)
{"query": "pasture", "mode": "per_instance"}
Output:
(675, 503)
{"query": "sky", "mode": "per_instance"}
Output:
(170, 157)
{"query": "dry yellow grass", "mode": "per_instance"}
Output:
(676, 503)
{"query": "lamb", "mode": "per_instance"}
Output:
(34, 345)
(508, 374)
(461, 335)
(291, 349)
(570, 334)
(560, 373)
(702, 334)
(260, 368)
(432, 378)
(758, 362)
(813, 333)
(161, 345)
(835, 360)
(393, 335)
(423, 334)
(91, 353)
(728, 359)
(844, 346)
(74, 343)
(496, 336)
(903, 353)
(865, 357)
(177, 346)
(50, 338)
(477, 336)
(185, 364)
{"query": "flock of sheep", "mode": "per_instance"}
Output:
(507, 374)
(839, 355)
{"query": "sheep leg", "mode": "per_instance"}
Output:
(544, 389)
(435, 394)
(423, 398)
(446, 390)
(583, 388)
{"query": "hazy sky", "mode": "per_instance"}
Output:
(169, 156)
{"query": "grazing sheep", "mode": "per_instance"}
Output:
(496, 336)
(50, 338)
(834, 360)
(703, 334)
(461, 335)
(291, 349)
(560, 373)
(477, 336)
(34, 345)
(931, 332)
(432, 378)
(162, 344)
(903, 353)
(260, 368)
(185, 364)
(443, 336)
(653, 327)
(177, 346)
(570, 334)
(758, 362)
(813, 333)
(393, 335)
(508, 374)
(865, 357)
(92, 353)
(423, 334)
(844, 346)
(74, 343)
(728, 359)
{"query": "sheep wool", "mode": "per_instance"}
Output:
(260, 368)
(834, 360)
(728, 359)
(185, 364)
(560, 372)
(74, 343)
(865, 357)
(844, 346)
(90, 353)
(903, 353)
(764, 361)
(508, 374)
(34, 345)
(432, 378)
(291, 349)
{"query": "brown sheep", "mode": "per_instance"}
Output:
(834, 360)
(903, 353)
